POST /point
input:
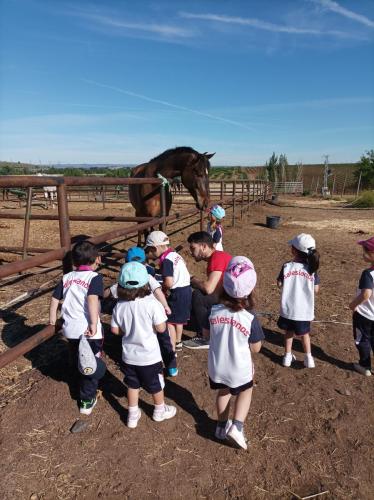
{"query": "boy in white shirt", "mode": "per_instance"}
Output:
(234, 333)
(80, 291)
(139, 317)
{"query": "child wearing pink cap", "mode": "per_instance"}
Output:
(234, 333)
(363, 311)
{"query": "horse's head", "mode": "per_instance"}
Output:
(196, 179)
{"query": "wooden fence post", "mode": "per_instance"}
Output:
(65, 239)
(358, 185)
(103, 196)
(26, 229)
(162, 226)
(233, 202)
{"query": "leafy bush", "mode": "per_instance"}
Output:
(366, 200)
(366, 170)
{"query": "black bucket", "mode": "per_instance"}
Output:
(272, 221)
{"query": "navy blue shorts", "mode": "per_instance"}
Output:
(149, 377)
(233, 390)
(179, 302)
(290, 325)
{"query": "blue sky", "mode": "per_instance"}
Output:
(121, 81)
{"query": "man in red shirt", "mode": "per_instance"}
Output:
(206, 293)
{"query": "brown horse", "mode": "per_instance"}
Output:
(184, 162)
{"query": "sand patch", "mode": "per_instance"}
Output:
(341, 225)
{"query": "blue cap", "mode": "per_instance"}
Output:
(133, 275)
(218, 212)
(136, 254)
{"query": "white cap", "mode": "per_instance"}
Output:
(156, 238)
(240, 277)
(303, 242)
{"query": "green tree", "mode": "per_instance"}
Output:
(272, 167)
(366, 170)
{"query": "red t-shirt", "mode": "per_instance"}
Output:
(218, 261)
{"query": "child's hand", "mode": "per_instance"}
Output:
(91, 331)
(167, 311)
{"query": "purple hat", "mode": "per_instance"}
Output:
(239, 278)
(367, 244)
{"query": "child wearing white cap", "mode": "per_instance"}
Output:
(139, 317)
(176, 284)
(299, 281)
(214, 227)
(234, 333)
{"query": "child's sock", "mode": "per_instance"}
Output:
(159, 409)
(238, 424)
(133, 411)
(222, 424)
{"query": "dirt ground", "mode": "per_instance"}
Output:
(310, 431)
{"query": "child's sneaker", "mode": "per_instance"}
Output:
(87, 405)
(179, 346)
(361, 369)
(165, 414)
(196, 343)
(221, 432)
(236, 437)
(287, 360)
(309, 361)
(172, 372)
(132, 420)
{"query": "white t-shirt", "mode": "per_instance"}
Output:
(366, 282)
(173, 264)
(74, 310)
(229, 358)
(136, 320)
(153, 284)
(297, 300)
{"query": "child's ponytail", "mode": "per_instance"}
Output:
(313, 260)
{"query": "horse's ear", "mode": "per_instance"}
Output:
(209, 155)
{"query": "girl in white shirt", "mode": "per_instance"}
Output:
(299, 280)
(139, 317)
(234, 333)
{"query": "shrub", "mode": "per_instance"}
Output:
(366, 200)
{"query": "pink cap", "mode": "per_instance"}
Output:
(367, 244)
(239, 278)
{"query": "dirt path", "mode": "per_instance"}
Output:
(309, 431)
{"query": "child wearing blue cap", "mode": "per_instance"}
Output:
(137, 254)
(139, 317)
(214, 227)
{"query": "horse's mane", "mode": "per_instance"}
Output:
(170, 152)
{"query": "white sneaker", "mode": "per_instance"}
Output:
(362, 370)
(132, 420)
(221, 432)
(309, 361)
(169, 412)
(236, 437)
(288, 358)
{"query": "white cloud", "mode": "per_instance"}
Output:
(170, 105)
(264, 25)
(338, 9)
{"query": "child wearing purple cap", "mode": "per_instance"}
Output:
(363, 311)
(234, 333)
